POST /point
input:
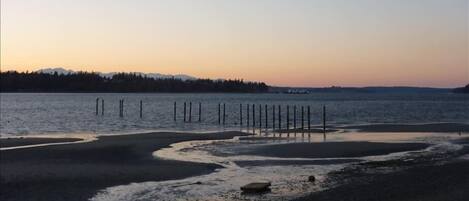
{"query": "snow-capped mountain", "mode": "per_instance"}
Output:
(53, 70)
(152, 75)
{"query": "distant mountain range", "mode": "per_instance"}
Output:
(108, 75)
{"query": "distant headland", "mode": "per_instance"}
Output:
(370, 90)
(464, 90)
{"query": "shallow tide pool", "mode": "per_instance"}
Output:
(288, 181)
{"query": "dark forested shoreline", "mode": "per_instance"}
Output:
(462, 90)
(12, 81)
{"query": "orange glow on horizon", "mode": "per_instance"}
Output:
(300, 43)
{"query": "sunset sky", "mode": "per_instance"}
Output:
(308, 43)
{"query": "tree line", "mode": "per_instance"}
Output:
(13, 81)
(464, 90)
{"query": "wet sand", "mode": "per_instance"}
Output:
(331, 149)
(14, 142)
(305, 130)
(294, 162)
(435, 127)
(78, 171)
(448, 182)
(432, 178)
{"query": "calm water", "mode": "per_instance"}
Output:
(46, 113)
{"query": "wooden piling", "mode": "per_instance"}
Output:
(302, 117)
(224, 114)
(184, 111)
(102, 107)
(247, 114)
(279, 117)
(190, 111)
(219, 114)
(141, 109)
(174, 111)
(200, 112)
(122, 107)
(253, 115)
(273, 117)
(288, 117)
(266, 118)
(97, 106)
(240, 114)
(324, 119)
(309, 117)
(294, 117)
(260, 116)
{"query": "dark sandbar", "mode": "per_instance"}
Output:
(77, 171)
(436, 127)
(430, 182)
(14, 142)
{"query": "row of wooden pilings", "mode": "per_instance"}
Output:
(121, 107)
(250, 109)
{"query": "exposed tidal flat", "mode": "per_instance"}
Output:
(55, 147)
(212, 166)
(78, 171)
(16, 142)
(439, 176)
